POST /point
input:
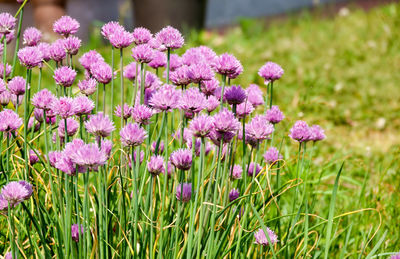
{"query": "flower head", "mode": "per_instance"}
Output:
(121, 39)
(130, 71)
(199, 72)
(227, 64)
(90, 156)
(31, 36)
(160, 148)
(83, 105)
(259, 128)
(166, 98)
(141, 114)
(180, 76)
(7, 23)
(75, 233)
(156, 165)
(272, 155)
(175, 62)
(170, 38)
(89, 58)
(65, 107)
(64, 76)
(212, 103)
(316, 133)
(44, 47)
(235, 95)
(17, 85)
(102, 72)
(132, 135)
(261, 238)
(57, 50)
(127, 111)
(9, 121)
(201, 125)
(159, 60)
(8, 70)
(300, 131)
(233, 194)
(99, 125)
(72, 127)
(5, 97)
(254, 168)
(141, 35)
(208, 87)
(181, 159)
(143, 53)
(30, 57)
(225, 122)
(274, 115)
(43, 100)
(66, 26)
(270, 71)
(255, 95)
(193, 100)
(184, 192)
(244, 109)
(16, 192)
(237, 172)
(72, 45)
(88, 86)
(33, 158)
(110, 28)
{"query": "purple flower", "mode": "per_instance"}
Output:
(156, 45)
(64, 76)
(72, 127)
(235, 95)
(252, 170)
(5, 97)
(33, 124)
(244, 109)
(316, 133)
(10, 37)
(57, 50)
(17, 85)
(65, 107)
(199, 72)
(201, 125)
(156, 165)
(88, 86)
(270, 71)
(237, 172)
(17, 99)
(102, 72)
(8, 70)
(30, 57)
(212, 103)
(160, 147)
(72, 45)
(180, 76)
(300, 131)
(141, 35)
(255, 95)
(90, 156)
(2, 86)
(274, 115)
(31, 36)
(132, 135)
(106, 147)
(208, 87)
(151, 81)
(66, 26)
(259, 128)
(166, 98)
(130, 71)
(261, 238)
(127, 111)
(396, 256)
(159, 60)
(89, 58)
(170, 38)
(65, 164)
(54, 156)
(233, 194)
(143, 53)
(193, 100)
(225, 122)
(83, 105)
(38, 114)
(182, 159)
(175, 61)
(9, 121)
(227, 64)
(184, 192)
(44, 47)
(99, 125)
(141, 114)
(75, 232)
(4, 207)
(7, 23)
(110, 28)
(16, 192)
(272, 155)
(134, 158)
(43, 100)
(121, 39)
(198, 55)
(33, 158)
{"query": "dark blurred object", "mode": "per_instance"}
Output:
(46, 12)
(156, 14)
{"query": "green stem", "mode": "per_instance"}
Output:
(26, 120)
(104, 100)
(222, 91)
(164, 122)
(112, 88)
(21, 15)
(4, 60)
(271, 94)
(135, 195)
(168, 63)
(14, 251)
(142, 81)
